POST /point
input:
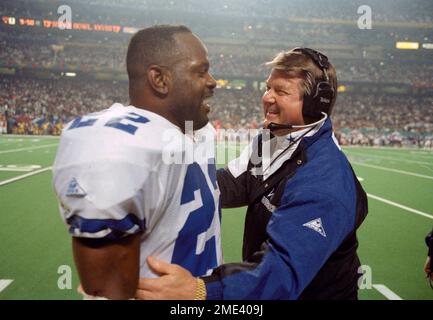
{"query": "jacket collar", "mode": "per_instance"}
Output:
(324, 132)
(288, 146)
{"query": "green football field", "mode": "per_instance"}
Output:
(35, 250)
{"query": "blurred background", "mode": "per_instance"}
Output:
(49, 75)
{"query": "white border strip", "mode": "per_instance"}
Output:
(4, 284)
(4, 182)
(384, 290)
(395, 204)
(392, 170)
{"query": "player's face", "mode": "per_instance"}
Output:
(282, 101)
(192, 83)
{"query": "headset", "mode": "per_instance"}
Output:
(317, 104)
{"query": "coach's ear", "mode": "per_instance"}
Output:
(159, 79)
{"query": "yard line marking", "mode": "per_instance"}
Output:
(388, 158)
(29, 148)
(392, 170)
(415, 155)
(422, 153)
(16, 169)
(4, 284)
(4, 182)
(398, 205)
(408, 154)
(384, 290)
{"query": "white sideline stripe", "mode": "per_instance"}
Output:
(29, 148)
(392, 170)
(390, 148)
(372, 156)
(360, 179)
(2, 183)
(17, 169)
(4, 284)
(384, 290)
(395, 204)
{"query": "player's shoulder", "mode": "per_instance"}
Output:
(125, 133)
(125, 123)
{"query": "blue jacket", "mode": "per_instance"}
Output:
(300, 230)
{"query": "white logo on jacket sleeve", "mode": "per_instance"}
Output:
(316, 225)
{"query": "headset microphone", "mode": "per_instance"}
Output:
(276, 126)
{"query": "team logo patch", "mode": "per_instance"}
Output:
(75, 190)
(316, 225)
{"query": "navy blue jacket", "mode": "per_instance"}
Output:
(300, 229)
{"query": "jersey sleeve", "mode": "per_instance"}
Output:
(108, 187)
(106, 199)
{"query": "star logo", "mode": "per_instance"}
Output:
(291, 139)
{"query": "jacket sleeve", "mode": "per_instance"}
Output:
(303, 233)
(233, 190)
(232, 180)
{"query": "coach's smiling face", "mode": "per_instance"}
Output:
(282, 101)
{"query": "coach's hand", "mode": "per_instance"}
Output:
(174, 283)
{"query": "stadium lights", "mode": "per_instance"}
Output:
(341, 88)
(427, 45)
(407, 45)
(70, 74)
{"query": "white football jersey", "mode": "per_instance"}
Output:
(126, 170)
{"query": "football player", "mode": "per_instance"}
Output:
(127, 183)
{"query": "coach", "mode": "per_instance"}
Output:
(304, 200)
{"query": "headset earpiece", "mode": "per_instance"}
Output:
(321, 98)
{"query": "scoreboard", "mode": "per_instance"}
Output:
(49, 24)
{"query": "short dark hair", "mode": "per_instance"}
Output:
(153, 45)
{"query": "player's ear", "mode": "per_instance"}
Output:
(159, 79)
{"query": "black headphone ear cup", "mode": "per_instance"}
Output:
(308, 109)
(322, 98)
(319, 101)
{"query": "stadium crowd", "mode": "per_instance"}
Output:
(43, 106)
(228, 61)
(243, 35)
